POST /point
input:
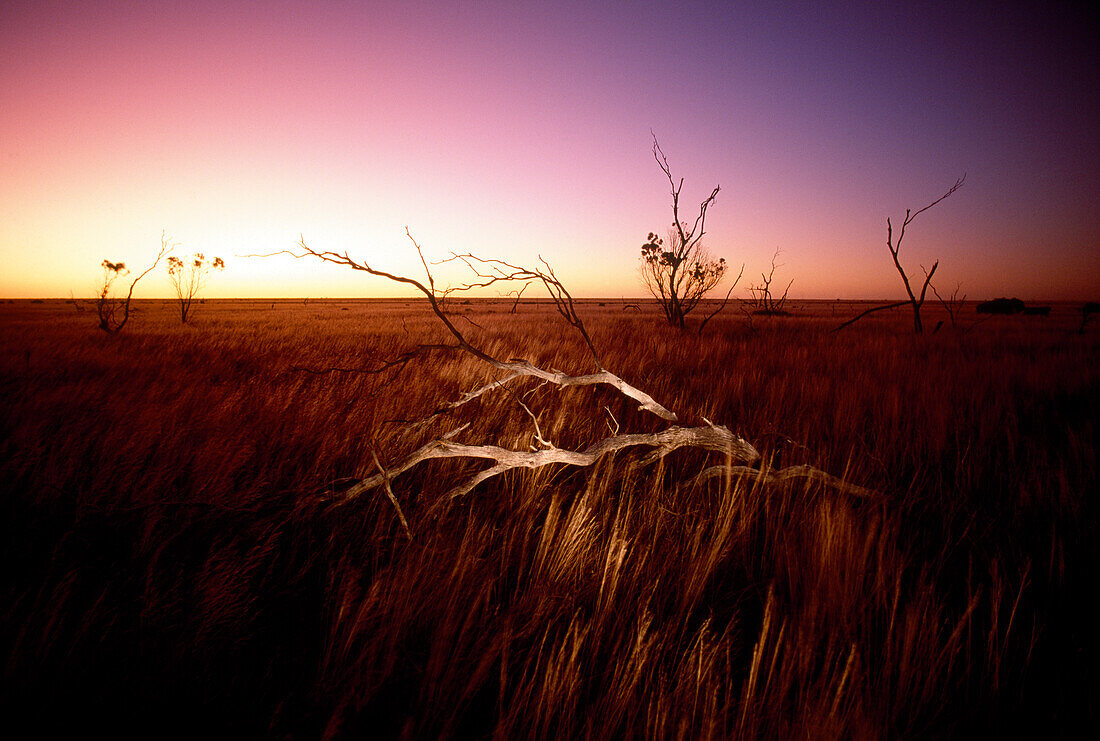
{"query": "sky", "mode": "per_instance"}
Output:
(514, 130)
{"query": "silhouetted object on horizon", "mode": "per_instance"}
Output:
(681, 273)
(762, 300)
(1002, 306)
(108, 308)
(189, 277)
(915, 302)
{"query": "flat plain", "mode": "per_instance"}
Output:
(175, 559)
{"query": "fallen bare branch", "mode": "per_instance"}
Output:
(872, 310)
(783, 475)
(710, 437)
(389, 493)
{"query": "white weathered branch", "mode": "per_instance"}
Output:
(712, 437)
(715, 438)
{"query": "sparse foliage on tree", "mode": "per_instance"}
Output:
(188, 278)
(114, 312)
(681, 272)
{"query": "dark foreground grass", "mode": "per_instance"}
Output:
(170, 566)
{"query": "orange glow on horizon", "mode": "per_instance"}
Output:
(236, 131)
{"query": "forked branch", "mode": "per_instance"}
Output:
(496, 271)
(710, 437)
(895, 247)
(715, 438)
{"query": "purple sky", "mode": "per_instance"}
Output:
(513, 130)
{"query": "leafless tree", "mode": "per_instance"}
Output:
(894, 247)
(952, 304)
(742, 459)
(680, 273)
(761, 298)
(188, 278)
(913, 301)
(518, 293)
(114, 312)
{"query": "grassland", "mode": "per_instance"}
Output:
(171, 565)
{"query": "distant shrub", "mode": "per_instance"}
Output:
(188, 278)
(1002, 306)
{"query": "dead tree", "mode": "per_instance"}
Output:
(682, 272)
(742, 459)
(952, 304)
(762, 299)
(518, 294)
(114, 312)
(915, 301)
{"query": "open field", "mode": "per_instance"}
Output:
(172, 564)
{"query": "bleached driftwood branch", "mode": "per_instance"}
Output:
(712, 437)
(742, 458)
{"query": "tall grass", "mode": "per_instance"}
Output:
(171, 564)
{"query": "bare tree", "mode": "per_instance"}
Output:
(518, 293)
(742, 459)
(915, 301)
(188, 278)
(682, 272)
(761, 297)
(76, 304)
(952, 304)
(114, 312)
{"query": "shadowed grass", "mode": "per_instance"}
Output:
(170, 563)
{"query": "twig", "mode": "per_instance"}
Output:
(723, 304)
(389, 493)
(856, 318)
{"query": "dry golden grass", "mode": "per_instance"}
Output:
(171, 565)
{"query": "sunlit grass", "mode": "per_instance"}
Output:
(170, 554)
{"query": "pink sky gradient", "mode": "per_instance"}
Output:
(514, 130)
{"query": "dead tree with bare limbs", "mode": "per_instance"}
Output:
(741, 458)
(681, 272)
(915, 301)
(761, 297)
(951, 303)
(114, 312)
